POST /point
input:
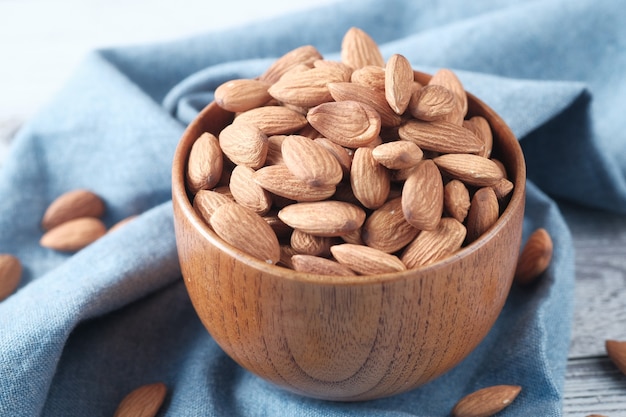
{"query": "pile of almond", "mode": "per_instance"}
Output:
(349, 167)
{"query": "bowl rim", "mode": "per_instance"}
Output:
(180, 197)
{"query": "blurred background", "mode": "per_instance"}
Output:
(42, 41)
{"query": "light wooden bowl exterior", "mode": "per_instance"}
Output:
(348, 338)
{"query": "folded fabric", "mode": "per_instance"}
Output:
(84, 329)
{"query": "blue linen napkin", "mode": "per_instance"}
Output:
(84, 329)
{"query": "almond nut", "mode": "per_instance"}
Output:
(400, 154)
(242, 94)
(279, 180)
(456, 200)
(370, 180)
(244, 144)
(432, 102)
(348, 123)
(616, 350)
(10, 274)
(483, 213)
(440, 136)
(206, 201)
(310, 162)
(319, 266)
(308, 244)
(247, 231)
(358, 50)
(386, 229)
(486, 401)
(433, 245)
(272, 120)
(205, 164)
(323, 218)
(422, 196)
(365, 260)
(144, 401)
(398, 83)
(74, 234)
(307, 88)
(247, 192)
(535, 257)
(471, 169)
(71, 205)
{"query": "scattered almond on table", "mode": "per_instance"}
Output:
(10, 274)
(486, 401)
(354, 155)
(144, 401)
(534, 258)
(616, 350)
(73, 220)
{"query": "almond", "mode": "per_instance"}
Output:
(433, 245)
(308, 244)
(398, 83)
(358, 50)
(342, 91)
(319, 266)
(386, 229)
(447, 78)
(440, 136)
(339, 67)
(247, 192)
(303, 55)
(144, 401)
(617, 353)
(310, 162)
(279, 180)
(205, 164)
(71, 205)
(365, 260)
(242, 94)
(10, 274)
(307, 88)
(369, 76)
(247, 231)
(503, 188)
(205, 202)
(400, 154)
(74, 234)
(483, 213)
(480, 126)
(432, 102)
(471, 169)
(370, 180)
(486, 401)
(348, 123)
(456, 200)
(244, 144)
(272, 120)
(535, 257)
(422, 196)
(323, 218)
(274, 153)
(343, 155)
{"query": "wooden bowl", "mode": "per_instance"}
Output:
(348, 338)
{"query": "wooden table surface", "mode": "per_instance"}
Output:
(43, 51)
